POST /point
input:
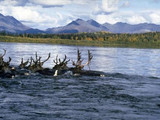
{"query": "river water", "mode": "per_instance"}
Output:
(129, 90)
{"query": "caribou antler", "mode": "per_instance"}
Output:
(23, 64)
(79, 55)
(90, 56)
(79, 61)
(38, 59)
(9, 60)
(31, 61)
(49, 55)
(56, 60)
(3, 53)
(1, 58)
(78, 65)
(36, 64)
(6, 64)
(61, 64)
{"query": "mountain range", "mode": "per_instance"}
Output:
(12, 25)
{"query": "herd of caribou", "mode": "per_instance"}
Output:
(35, 65)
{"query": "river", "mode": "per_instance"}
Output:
(128, 91)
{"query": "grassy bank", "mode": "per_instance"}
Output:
(136, 43)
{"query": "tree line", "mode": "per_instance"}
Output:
(151, 38)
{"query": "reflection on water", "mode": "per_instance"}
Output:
(113, 60)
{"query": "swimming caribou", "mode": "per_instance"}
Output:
(35, 65)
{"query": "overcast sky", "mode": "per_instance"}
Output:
(44, 14)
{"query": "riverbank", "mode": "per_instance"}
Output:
(100, 40)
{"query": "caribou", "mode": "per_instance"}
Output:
(5, 68)
(78, 66)
(35, 65)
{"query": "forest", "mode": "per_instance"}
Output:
(102, 39)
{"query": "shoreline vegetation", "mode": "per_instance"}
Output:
(99, 39)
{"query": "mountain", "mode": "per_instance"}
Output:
(97, 25)
(77, 26)
(128, 28)
(80, 25)
(33, 31)
(11, 25)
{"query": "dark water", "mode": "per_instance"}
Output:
(130, 89)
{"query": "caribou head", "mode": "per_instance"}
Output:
(23, 64)
(36, 64)
(60, 64)
(78, 64)
(4, 66)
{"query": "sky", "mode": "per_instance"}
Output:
(43, 14)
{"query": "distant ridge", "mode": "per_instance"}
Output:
(12, 25)
(77, 26)
(128, 28)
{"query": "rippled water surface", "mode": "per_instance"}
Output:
(129, 90)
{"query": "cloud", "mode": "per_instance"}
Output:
(8, 2)
(13, 2)
(110, 5)
(155, 17)
(112, 11)
(136, 19)
(112, 19)
(28, 14)
(45, 3)
(126, 4)
(131, 17)
(50, 2)
(32, 16)
(126, 17)
(59, 3)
